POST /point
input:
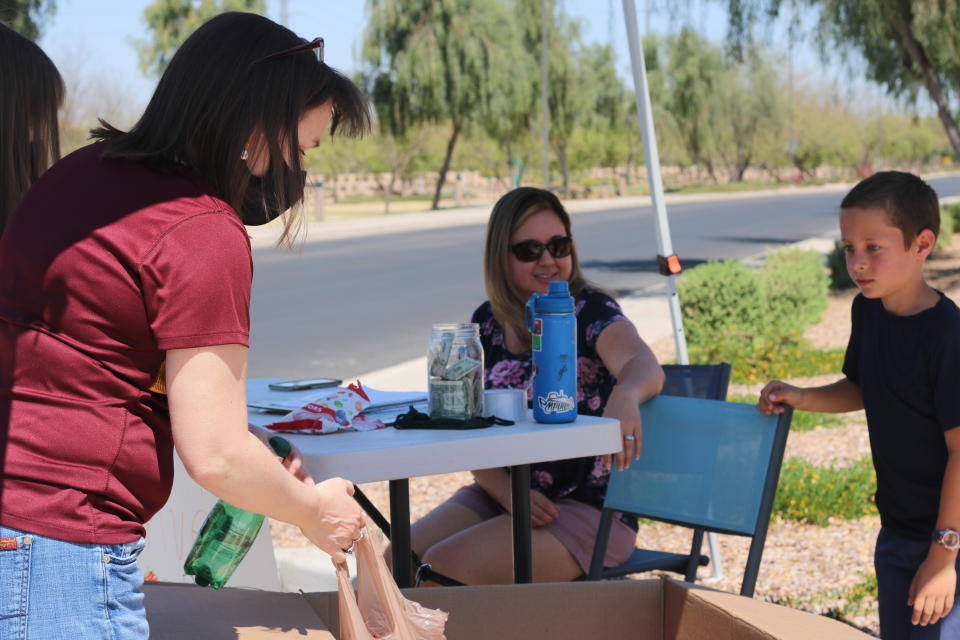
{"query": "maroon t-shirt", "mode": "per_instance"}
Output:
(103, 267)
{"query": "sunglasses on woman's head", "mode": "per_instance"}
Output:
(315, 45)
(532, 250)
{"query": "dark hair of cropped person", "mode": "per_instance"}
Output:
(218, 93)
(911, 203)
(509, 213)
(29, 138)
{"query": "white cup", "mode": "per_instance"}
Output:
(509, 404)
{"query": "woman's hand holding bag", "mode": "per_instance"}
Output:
(378, 609)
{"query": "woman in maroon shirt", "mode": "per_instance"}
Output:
(124, 323)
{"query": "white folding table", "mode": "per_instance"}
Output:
(397, 455)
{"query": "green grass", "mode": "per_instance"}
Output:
(858, 600)
(812, 494)
(803, 420)
(784, 362)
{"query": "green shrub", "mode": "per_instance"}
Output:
(755, 319)
(795, 284)
(948, 224)
(766, 356)
(721, 298)
(803, 420)
(951, 211)
(808, 493)
(837, 263)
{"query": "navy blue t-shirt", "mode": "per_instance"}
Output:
(908, 369)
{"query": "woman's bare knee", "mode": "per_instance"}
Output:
(446, 520)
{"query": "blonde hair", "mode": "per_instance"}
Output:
(510, 212)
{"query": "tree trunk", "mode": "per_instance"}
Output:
(446, 165)
(388, 192)
(565, 169)
(742, 166)
(930, 78)
(711, 171)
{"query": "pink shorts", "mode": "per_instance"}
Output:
(575, 527)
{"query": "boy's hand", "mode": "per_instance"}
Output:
(776, 394)
(932, 589)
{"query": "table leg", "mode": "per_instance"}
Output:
(400, 532)
(522, 542)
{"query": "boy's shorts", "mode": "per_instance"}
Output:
(896, 561)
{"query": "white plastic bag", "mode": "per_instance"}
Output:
(378, 609)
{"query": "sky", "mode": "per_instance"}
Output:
(95, 37)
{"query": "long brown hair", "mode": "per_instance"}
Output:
(29, 139)
(510, 212)
(224, 85)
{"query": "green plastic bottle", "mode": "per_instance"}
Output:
(225, 537)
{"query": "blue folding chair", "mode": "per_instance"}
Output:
(708, 465)
(708, 381)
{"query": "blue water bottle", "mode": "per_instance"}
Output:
(553, 336)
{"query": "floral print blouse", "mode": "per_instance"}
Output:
(583, 479)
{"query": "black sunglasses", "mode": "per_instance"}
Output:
(532, 250)
(315, 45)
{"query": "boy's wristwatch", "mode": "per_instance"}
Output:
(947, 538)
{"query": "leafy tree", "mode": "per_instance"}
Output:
(606, 128)
(513, 108)
(395, 156)
(752, 110)
(170, 22)
(827, 134)
(899, 139)
(908, 45)
(695, 72)
(27, 17)
(566, 87)
(436, 61)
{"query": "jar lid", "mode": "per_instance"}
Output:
(455, 329)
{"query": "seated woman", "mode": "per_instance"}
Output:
(468, 537)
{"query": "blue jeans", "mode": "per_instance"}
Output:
(896, 561)
(51, 589)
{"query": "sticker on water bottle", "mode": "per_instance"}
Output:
(536, 336)
(555, 402)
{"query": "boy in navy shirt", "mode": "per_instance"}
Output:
(903, 366)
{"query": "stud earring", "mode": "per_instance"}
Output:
(244, 154)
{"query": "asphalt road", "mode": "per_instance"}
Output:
(355, 305)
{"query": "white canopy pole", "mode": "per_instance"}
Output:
(664, 243)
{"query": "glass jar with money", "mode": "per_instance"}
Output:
(455, 371)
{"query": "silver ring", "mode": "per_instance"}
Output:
(629, 437)
(354, 541)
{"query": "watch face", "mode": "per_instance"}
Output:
(950, 539)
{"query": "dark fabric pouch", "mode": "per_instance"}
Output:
(414, 419)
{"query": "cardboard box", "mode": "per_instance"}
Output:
(663, 609)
